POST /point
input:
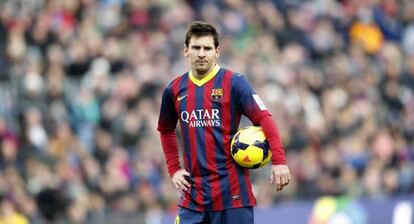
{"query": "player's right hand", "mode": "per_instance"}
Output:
(179, 180)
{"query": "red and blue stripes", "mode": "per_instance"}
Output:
(217, 181)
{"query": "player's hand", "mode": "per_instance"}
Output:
(179, 180)
(280, 175)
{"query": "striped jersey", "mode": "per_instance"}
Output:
(209, 111)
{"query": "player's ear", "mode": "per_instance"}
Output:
(185, 51)
(217, 51)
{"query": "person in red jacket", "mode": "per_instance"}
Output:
(209, 100)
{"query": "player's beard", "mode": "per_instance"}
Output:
(203, 69)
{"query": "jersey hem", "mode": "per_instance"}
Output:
(221, 209)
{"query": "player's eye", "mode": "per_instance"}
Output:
(196, 47)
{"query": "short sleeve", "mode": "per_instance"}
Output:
(248, 102)
(168, 115)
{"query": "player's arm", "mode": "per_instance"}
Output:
(250, 104)
(170, 147)
(167, 123)
(273, 138)
(280, 174)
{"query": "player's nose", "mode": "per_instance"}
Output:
(201, 53)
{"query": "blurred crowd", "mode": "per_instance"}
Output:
(80, 86)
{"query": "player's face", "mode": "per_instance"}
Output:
(202, 54)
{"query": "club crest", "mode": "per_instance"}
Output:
(217, 94)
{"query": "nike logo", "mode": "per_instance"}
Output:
(181, 97)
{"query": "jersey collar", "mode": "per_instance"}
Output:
(208, 77)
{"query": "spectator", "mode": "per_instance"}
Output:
(81, 81)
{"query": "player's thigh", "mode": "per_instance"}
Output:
(188, 216)
(235, 215)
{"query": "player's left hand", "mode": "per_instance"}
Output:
(179, 180)
(280, 175)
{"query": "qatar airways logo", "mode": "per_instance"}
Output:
(201, 118)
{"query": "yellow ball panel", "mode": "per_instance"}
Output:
(249, 157)
(251, 134)
(252, 156)
(266, 160)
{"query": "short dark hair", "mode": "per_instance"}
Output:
(199, 29)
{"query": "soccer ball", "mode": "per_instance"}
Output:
(250, 148)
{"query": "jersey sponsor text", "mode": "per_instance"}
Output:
(201, 118)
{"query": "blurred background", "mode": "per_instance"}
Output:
(80, 87)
